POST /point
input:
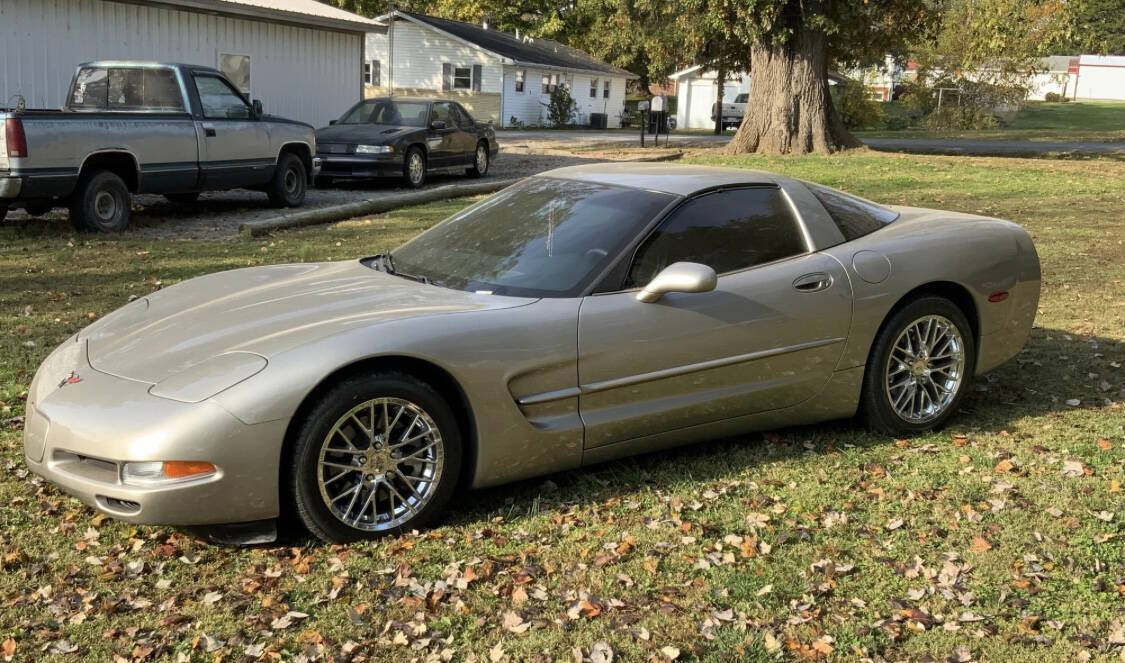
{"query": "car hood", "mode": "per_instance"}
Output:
(263, 310)
(369, 134)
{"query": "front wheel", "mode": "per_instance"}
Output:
(378, 454)
(287, 188)
(480, 161)
(414, 168)
(919, 369)
(102, 203)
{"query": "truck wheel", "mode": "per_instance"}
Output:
(182, 198)
(287, 189)
(101, 204)
(3, 212)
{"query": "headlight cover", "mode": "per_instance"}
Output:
(201, 381)
(374, 149)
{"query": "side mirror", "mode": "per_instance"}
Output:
(259, 109)
(679, 277)
(331, 122)
(437, 124)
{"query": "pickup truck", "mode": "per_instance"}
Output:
(732, 112)
(137, 127)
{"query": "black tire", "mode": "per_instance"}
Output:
(289, 183)
(101, 203)
(316, 431)
(481, 161)
(189, 198)
(877, 409)
(412, 175)
(3, 212)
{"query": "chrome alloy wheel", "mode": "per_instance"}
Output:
(925, 369)
(380, 464)
(416, 167)
(482, 159)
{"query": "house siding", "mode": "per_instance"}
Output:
(304, 74)
(418, 59)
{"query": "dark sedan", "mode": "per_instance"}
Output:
(404, 137)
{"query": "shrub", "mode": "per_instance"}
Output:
(960, 117)
(916, 98)
(561, 108)
(857, 109)
(1053, 97)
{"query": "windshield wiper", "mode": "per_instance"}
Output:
(387, 264)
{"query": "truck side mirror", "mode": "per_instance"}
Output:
(259, 109)
(330, 122)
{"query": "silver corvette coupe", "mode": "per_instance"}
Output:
(581, 315)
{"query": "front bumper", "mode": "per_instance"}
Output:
(79, 435)
(317, 164)
(351, 165)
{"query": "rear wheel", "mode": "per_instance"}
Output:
(287, 188)
(480, 161)
(188, 198)
(919, 368)
(414, 168)
(378, 454)
(101, 203)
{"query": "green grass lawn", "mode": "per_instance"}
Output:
(1001, 538)
(1093, 121)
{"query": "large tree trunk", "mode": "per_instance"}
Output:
(790, 110)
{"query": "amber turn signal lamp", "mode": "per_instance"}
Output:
(181, 469)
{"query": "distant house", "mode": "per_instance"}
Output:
(696, 88)
(1100, 77)
(302, 58)
(502, 77)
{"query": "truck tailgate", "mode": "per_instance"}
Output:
(3, 144)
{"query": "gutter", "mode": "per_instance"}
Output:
(236, 10)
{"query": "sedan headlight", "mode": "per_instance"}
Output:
(374, 149)
(201, 381)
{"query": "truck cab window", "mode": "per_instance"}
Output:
(219, 100)
(90, 89)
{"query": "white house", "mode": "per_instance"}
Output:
(502, 77)
(302, 58)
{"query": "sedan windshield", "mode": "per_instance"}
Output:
(385, 111)
(543, 237)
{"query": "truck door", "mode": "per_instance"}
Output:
(234, 147)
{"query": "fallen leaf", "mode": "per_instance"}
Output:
(601, 653)
(894, 524)
(671, 653)
(980, 544)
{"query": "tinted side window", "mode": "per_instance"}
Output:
(726, 230)
(90, 89)
(442, 113)
(219, 100)
(463, 118)
(855, 217)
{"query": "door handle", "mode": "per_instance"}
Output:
(209, 132)
(813, 282)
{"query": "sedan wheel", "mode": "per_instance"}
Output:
(919, 367)
(414, 168)
(378, 454)
(480, 161)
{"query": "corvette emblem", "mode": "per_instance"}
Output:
(73, 378)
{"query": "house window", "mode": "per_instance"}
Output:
(372, 73)
(462, 78)
(237, 70)
(605, 90)
(593, 88)
(550, 82)
(521, 74)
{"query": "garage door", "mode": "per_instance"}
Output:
(699, 105)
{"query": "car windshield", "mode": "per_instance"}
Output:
(385, 111)
(543, 237)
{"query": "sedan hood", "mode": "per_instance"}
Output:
(367, 134)
(263, 310)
